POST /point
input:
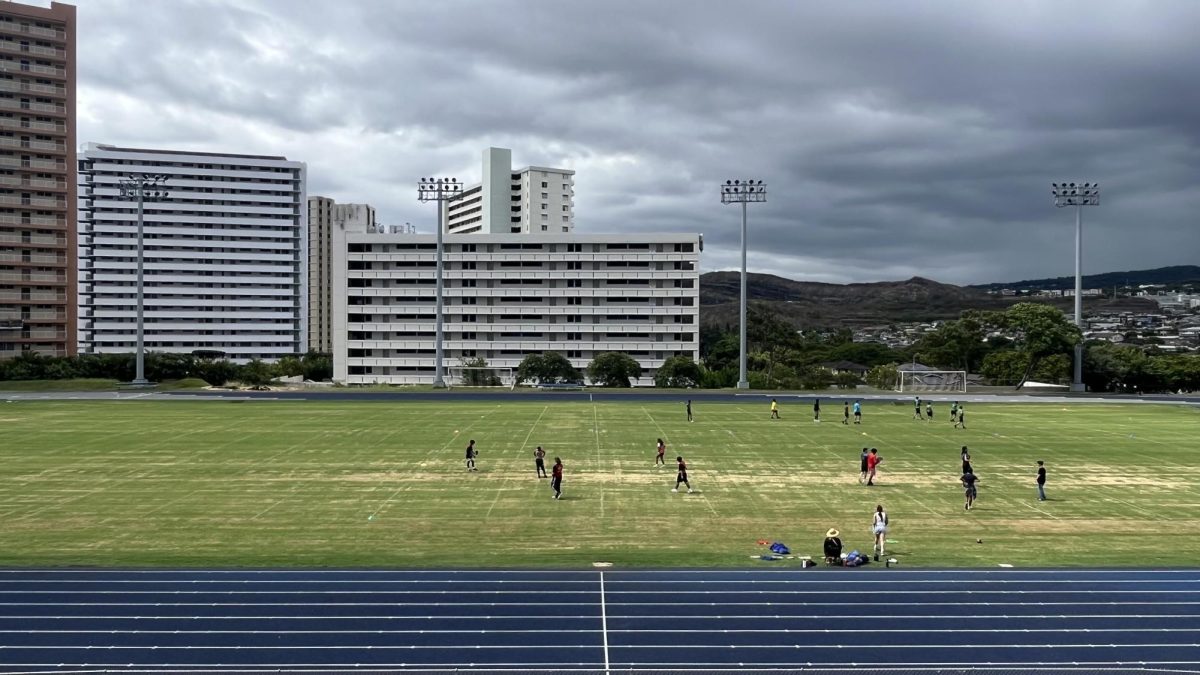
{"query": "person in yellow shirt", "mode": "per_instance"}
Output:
(775, 410)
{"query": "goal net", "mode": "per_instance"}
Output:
(932, 380)
(480, 376)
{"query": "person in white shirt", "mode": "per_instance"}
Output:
(879, 527)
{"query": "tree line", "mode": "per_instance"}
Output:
(164, 367)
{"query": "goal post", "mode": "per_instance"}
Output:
(931, 380)
(481, 376)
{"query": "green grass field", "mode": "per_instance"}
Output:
(224, 483)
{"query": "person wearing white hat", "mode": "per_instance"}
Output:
(833, 547)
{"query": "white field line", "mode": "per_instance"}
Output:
(588, 617)
(520, 453)
(703, 497)
(522, 631)
(763, 613)
(856, 645)
(676, 592)
(599, 466)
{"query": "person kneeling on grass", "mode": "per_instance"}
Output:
(682, 476)
(833, 547)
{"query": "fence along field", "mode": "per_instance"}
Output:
(383, 484)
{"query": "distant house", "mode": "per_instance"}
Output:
(914, 368)
(839, 367)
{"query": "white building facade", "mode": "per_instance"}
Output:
(323, 215)
(508, 296)
(532, 200)
(225, 254)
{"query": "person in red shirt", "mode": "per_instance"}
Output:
(661, 459)
(682, 477)
(556, 478)
(873, 461)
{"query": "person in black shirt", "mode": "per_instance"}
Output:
(862, 465)
(689, 409)
(472, 453)
(1041, 481)
(816, 410)
(682, 476)
(556, 481)
(961, 423)
(846, 412)
(966, 460)
(833, 547)
(968, 481)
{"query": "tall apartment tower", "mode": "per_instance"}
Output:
(225, 254)
(323, 215)
(37, 179)
(532, 200)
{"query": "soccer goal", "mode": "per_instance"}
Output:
(480, 376)
(932, 380)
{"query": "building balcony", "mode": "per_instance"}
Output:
(39, 260)
(7, 239)
(20, 29)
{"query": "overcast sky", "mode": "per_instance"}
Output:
(897, 138)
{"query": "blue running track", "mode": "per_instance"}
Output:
(603, 620)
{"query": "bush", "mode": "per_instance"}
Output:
(679, 371)
(257, 373)
(846, 380)
(883, 377)
(547, 368)
(217, 373)
(316, 367)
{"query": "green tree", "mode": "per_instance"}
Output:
(289, 366)
(316, 367)
(724, 353)
(1040, 331)
(216, 373)
(477, 378)
(163, 366)
(678, 371)
(547, 368)
(1115, 367)
(883, 376)
(257, 373)
(613, 369)
(957, 345)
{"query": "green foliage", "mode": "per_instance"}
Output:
(1040, 331)
(883, 376)
(162, 366)
(955, 345)
(846, 380)
(257, 373)
(317, 367)
(289, 366)
(613, 369)
(547, 368)
(477, 378)
(680, 372)
(216, 373)
(724, 353)
(815, 378)
(1011, 367)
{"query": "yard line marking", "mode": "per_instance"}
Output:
(1031, 506)
(524, 444)
(604, 621)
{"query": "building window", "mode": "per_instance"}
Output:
(545, 206)
(566, 229)
(574, 301)
(565, 208)
(545, 195)
(545, 185)
(545, 227)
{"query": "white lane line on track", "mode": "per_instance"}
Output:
(856, 645)
(622, 604)
(604, 621)
(777, 593)
(890, 581)
(737, 574)
(488, 631)
(584, 617)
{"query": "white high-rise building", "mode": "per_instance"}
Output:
(225, 259)
(323, 215)
(532, 200)
(508, 296)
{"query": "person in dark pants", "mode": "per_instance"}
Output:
(966, 460)
(961, 423)
(816, 410)
(689, 409)
(556, 479)
(1041, 481)
(472, 453)
(775, 409)
(969, 489)
(660, 459)
(681, 477)
(862, 465)
(846, 412)
(539, 461)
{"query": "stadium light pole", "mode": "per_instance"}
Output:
(743, 192)
(1078, 195)
(442, 191)
(142, 187)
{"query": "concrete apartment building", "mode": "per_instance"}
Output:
(323, 214)
(225, 254)
(37, 179)
(532, 200)
(510, 295)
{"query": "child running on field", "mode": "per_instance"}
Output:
(660, 459)
(681, 477)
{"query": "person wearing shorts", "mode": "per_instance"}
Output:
(969, 490)
(774, 409)
(879, 528)
(916, 407)
(681, 477)
(862, 465)
(873, 461)
(472, 453)
(689, 410)
(539, 461)
(961, 423)
(858, 412)
(846, 412)
(660, 459)
(556, 480)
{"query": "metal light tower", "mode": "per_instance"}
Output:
(143, 187)
(1078, 195)
(743, 192)
(440, 190)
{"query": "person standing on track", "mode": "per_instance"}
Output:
(539, 461)
(681, 477)
(969, 490)
(1041, 481)
(879, 527)
(556, 479)
(660, 459)
(775, 409)
(862, 465)
(472, 453)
